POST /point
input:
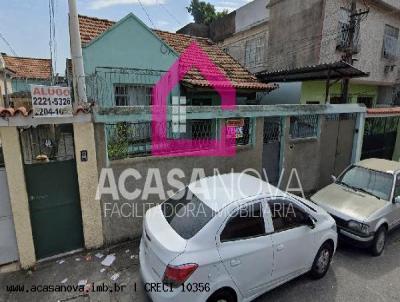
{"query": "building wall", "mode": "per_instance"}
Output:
(370, 58)
(18, 195)
(235, 45)
(316, 159)
(314, 91)
(84, 140)
(288, 93)
(2, 88)
(24, 84)
(129, 44)
(251, 14)
(295, 29)
(116, 227)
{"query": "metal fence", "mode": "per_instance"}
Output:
(111, 86)
(47, 143)
(127, 139)
(272, 129)
(304, 126)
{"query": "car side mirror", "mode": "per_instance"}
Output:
(397, 200)
(333, 178)
(310, 222)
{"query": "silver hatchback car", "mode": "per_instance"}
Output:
(365, 202)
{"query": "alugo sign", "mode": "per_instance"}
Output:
(51, 101)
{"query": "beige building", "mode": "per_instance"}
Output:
(288, 34)
(5, 81)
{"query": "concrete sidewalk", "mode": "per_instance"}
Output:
(77, 267)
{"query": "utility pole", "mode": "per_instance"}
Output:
(76, 54)
(348, 56)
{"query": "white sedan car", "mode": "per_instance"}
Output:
(232, 238)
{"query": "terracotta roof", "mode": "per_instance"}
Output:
(384, 110)
(240, 77)
(91, 27)
(29, 68)
(11, 112)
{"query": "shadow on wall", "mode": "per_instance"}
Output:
(288, 93)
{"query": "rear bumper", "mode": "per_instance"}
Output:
(355, 240)
(155, 289)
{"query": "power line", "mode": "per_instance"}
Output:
(147, 14)
(169, 13)
(8, 44)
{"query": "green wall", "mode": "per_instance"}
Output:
(315, 91)
(128, 44)
(24, 84)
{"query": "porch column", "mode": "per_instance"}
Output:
(18, 195)
(358, 137)
(88, 180)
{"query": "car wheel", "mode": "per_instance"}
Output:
(222, 296)
(379, 243)
(322, 261)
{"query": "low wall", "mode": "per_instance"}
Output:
(316, 159)
(122, 219)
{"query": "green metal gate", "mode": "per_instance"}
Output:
(380, 137)
(52, 184)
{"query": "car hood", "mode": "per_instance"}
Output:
(344, 202)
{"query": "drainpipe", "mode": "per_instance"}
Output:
(76, 54)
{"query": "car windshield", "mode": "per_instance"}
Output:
(378, 184)
(186, 213)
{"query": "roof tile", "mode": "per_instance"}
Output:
(29, 68)
(241, 78)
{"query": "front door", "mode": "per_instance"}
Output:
(246, 250)
(271, 150)
(292, 239)
(53, 192)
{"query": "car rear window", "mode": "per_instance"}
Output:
(186, 213)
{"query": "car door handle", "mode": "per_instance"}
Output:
(235, 262)
(280, 247)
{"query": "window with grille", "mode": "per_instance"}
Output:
(255, 52)
(391, 42)
(304, 126)
(132, 95)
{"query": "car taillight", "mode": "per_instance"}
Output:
(177, 275)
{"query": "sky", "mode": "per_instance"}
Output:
(25, 23)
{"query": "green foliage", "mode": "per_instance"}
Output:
(204, 12)
(118, 141)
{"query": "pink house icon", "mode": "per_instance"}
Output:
(192, 57)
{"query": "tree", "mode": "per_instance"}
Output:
(204, 12)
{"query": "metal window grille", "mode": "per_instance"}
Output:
(254, 52)
(121, 95)
(47, 143)
(272, 130)
(304, 126)
(381, 125)
(132, 95)
(391, 42)
(126, 140)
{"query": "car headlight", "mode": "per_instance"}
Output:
(359, 227)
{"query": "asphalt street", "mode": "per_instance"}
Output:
(354, 276)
